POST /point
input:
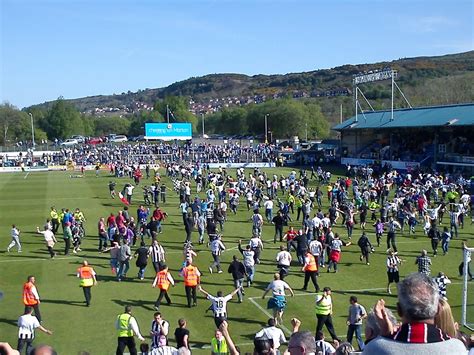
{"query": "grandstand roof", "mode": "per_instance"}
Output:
(451, 115)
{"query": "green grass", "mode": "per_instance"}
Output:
(26, 202)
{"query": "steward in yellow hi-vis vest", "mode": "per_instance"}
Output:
(324, 312)
(127, 328)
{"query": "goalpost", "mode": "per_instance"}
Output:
(467, 292)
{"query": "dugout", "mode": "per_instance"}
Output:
(440, 137)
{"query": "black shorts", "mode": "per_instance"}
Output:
(219, 320)
(393, 277)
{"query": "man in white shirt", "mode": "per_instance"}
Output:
(283, 259)
(49, 238)
(249, 197)
(15, 234)
(219, 304)
(256, 246)
(129, 190)
(272, 333)
(249, 262)
(321, 345)
(27, 324)
(278, 301)
(316, 248)
(257, 222)
(317, 225)
(268, 204)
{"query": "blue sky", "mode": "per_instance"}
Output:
(76, 48)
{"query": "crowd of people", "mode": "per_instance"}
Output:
(387, 202)
(145, 152)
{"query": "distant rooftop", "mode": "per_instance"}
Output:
(450, 115)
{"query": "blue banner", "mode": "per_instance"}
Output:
(168, 131)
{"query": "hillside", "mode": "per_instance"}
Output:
(425, 81)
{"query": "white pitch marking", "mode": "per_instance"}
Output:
(251, 299)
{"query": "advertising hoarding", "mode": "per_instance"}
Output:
(168, 131)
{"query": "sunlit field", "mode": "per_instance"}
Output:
(26, 201)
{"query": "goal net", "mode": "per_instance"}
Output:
(468, 291)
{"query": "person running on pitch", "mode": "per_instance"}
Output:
(15, 234)
(219, 304)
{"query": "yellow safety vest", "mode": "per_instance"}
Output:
(324, 307)
(124, 325)
(219, 347)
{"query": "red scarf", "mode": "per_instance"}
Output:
(419, 333)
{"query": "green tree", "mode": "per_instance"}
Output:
(137, 124)
(111, 124)
(9, 114)
(63, 120)
(285, 118)
(178, 110)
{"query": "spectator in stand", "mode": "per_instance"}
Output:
(418, 304)
(372, 328)
(273, 334)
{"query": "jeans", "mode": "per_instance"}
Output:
(201, 234)
(279, 232)
(21, 344)
(322, 257)
(250, 270)
(284, 271)
(349, 228)
(434, 246)
(55, 224)
(123, 268)
(141, 272)
(391, 241)
(269, 214)
(238, 284)
(102, 241)
(350, 333)
(216, 263)
(454, 230)
(445, 246)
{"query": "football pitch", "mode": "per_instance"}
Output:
(26, 200)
